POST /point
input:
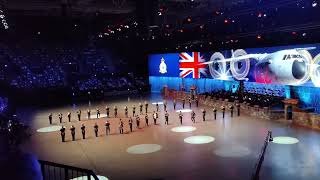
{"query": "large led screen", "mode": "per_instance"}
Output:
(285, 65)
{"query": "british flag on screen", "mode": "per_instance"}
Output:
(191, 64)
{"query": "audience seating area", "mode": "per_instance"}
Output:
(30, 65)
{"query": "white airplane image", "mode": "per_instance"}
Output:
(287, 67)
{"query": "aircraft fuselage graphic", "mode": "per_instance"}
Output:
(288, 66)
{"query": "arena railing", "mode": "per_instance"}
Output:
(55, 171)
(258, 165)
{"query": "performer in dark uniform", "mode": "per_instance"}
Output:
(197, 101)
(126, 111)
(96, 129)
(166, 115)
(215, 113)
(50, 118)
(60, 117)
(130, 124)
(121, 126)
(231, 110)
(63, 133)
(69, 116)
(73, 132)
(165, 105)
(238, 109)
(147, 119)
(146, 106)
(183, 102)
(180, 117)
(79, 115)
(83, 131)
(98, 113)
(107, 111)
(89, 113)
(107, 124)
(174, 104)
(193, 116)
(189, 102)
(115, 111)
(141, 107)
(155, 117)
(157, 107)
(133, 110)
(223, 108)
(138, 121)
(204, 115)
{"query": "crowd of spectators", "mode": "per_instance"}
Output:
(13, 131)
(110, 82)
(27, 65)
(3, 104)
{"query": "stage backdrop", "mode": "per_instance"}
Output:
(271, 67)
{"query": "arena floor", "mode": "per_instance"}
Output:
(230, 150)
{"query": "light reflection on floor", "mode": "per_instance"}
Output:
(160, 102)
(184, 110)
(49, 129)
(285, 140)
(183, 129)
(94, 116)
(199, 139)
(232, 151)
(143, 148)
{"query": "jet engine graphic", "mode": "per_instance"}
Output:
(315, 71)
(287, 67)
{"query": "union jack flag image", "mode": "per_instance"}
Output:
(191, 64)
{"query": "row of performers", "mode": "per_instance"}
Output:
(155, 116)
(115, 110)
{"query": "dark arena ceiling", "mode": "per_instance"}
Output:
(174, 24)
(52, 7)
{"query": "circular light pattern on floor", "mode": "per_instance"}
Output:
(184, 110)
(49, 129)
(183, 129)
(144, 148)
(199, 139)
(285, 140)
(85, 178)
(94, 116)
(232, 151)
(154, 103)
